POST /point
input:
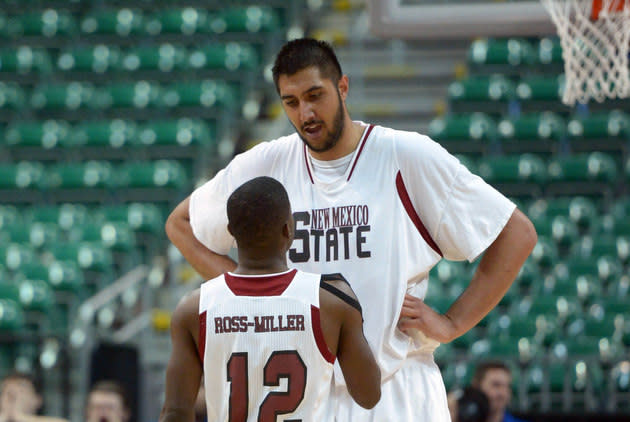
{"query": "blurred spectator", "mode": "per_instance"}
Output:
(107, 402)
(494, 378)
(20, 401)
(468, 405)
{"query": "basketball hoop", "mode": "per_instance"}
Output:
(595, 39)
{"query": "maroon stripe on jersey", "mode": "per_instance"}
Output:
(367, 134)
(319, 336)
(308, 165)
(415, 218)
(264, 285)
(202, 335)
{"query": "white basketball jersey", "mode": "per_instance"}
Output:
(263, 350)
(402, 205)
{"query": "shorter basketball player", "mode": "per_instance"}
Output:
(266, 336)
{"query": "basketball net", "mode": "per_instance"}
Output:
(595, 36)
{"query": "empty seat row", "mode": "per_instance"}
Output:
(93, 175)
(499, 88)
(102, 58)
(210, 94)
(115, 133)
(128, 21)
(481, 127)
(516, 52)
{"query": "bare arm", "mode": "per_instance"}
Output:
(203, 260)
(359, 367)
(497, 270)
(184, 370)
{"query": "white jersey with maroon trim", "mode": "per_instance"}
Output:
(263, 350)
(403, 204)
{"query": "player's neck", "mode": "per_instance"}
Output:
(350, 137)
(496, 416)
(256, 266)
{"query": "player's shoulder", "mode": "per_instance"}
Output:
(404, 141)
(336, 289)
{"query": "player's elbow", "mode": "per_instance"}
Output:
(176, 222)
(370, 390)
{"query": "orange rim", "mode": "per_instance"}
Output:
(598, 5)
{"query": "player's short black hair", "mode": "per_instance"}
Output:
(301, 53)
(472, 406)
(257, 210)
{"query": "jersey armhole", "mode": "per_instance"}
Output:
(335, 291)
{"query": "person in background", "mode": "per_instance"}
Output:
(494, 378)
(468, 405)
(20, 401)
(107, 402)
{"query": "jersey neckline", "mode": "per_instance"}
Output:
(259, 285)
(348, 174)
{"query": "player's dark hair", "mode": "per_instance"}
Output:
(301, 53)
(257, 210)
(113, 387)
(483, 368)
(472, 406)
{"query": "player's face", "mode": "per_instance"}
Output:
(496, 385)
(314, 105)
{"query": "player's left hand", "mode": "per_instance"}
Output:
(418, 315)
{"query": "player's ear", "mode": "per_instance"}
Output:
(343, 86)
(288, 230)
(229, 227)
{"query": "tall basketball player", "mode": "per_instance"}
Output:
(380, 206)
(266, 336)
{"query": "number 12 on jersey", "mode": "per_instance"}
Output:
(281, 364)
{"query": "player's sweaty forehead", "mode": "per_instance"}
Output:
(302, 82)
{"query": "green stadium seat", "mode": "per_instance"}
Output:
(464, 341)
(231, 57)
(116, 236)
(207, 94)
(549, 51)
(545, 254)
(35, 295)
(559, 228)
(463, 127)
(467, 162)
(522, 168)
(112, 134)
(616, 305)
(185, 21)
(139, 94)
(620, 375)
(506, 51)
(505, 349)
(482, 88)
(22, 175)
(11, 316)
(595, 166)
(607, 269)
(529, 275)
(604, 327)
(70, 96)
(599, 126)
(166, 58)
(14, 255)
(585, 376)
(447, 271)
(38, 235)
(46, 134)
(65, 216)
(9, 216)
(25, 59)
(541, 88)
(88, 255)
(182, 132)
(252, 19)
(581, 210)
(48, 23)
(98, 59)
(540, 131)
(141, 217)
(157, 174)
(121, 22)
(91, 174)
(12, 96)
